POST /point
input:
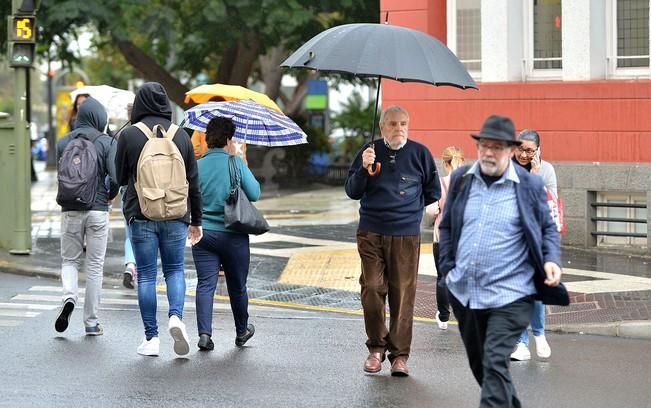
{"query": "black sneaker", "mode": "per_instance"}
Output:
(127, 280)
(241, 340)
(64, 316)
(129, 276)
(205, 343)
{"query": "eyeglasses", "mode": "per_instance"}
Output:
(529, 152)
(496, 148)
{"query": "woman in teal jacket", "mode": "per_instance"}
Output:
(220, 245)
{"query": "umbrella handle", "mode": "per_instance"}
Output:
(374, 171)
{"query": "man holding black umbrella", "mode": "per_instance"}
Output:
(388, 236)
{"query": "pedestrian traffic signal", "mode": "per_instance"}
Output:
(22, 55)
(22, 37)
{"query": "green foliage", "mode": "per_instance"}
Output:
(188, 37)
(107, 65)
(295, 161)
(356, 119)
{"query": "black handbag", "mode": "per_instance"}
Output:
(239, 214)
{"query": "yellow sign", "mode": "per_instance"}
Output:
(63, 113)
(23, 29)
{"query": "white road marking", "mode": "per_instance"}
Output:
(17, 313)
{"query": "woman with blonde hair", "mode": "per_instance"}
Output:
(452, 157)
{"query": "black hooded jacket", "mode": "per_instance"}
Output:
(152, 107)
(91, 123)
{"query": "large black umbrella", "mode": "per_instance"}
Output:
(383, 51)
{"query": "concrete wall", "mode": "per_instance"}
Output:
(577, 183)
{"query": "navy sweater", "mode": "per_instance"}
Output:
(392, 202)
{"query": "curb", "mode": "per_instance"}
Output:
(634, 329)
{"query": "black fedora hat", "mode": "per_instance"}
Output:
(498, 128)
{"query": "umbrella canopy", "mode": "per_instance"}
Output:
(382, 50)
(203, 94)
(115, 100)
(254, 123)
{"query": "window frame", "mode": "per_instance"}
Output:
(611, 48)
(528, 70)
(451, 20)
(628, 198)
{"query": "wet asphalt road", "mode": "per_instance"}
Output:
(296, 359)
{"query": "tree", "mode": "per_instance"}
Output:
(356, 119)
(173, 41)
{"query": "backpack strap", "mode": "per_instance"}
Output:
(152, 133)
(145, 129)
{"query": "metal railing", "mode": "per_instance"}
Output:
(595, 219)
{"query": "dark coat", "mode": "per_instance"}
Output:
(542, 237)
(91, 124)
(151, 106)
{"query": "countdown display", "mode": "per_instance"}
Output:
(23, 29)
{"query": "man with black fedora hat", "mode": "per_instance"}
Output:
(500, 250)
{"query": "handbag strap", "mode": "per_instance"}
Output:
(234, 174)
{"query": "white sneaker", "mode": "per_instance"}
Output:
(177, 331)
(542, 347)
(442, 325)
(149, 347)
(521, 353)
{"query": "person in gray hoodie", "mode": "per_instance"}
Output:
(91, 226)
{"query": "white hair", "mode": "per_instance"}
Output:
(394, 108)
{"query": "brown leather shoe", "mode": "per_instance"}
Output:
(373, 363)
(399, 367)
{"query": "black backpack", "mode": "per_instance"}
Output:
(77, 174)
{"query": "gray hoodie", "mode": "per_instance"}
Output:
(91, 122)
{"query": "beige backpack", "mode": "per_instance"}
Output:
(161, 184)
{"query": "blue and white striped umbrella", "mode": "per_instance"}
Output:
(254, 124)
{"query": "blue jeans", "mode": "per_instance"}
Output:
(537, 322)
(442, 298)
(232, 251)
(147, 238)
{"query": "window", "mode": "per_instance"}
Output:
(469, 33)
(547, 34)
(622, 213)
(464, 33)
(632, 33)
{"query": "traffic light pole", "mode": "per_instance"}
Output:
(22, 242)
(16, 215)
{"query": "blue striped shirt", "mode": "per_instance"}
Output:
(492, 267)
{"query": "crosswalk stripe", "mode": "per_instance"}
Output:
(57, 289)
(17, 313)
(161, 300)
(27, 306)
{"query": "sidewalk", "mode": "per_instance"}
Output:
(309, 261)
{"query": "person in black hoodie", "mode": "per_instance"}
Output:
(151, 107)
(92, 225)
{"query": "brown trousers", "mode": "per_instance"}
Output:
(389, 268)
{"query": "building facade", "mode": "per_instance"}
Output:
(575, 70)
